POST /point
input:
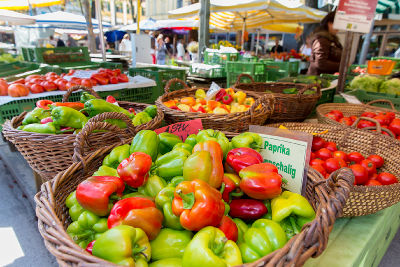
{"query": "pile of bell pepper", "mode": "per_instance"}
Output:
(50, 117)
(223, 102)
(204, 201)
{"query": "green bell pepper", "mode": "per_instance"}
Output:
(247, 139)
(171, 164)
(87, 228)
(167, 142)
(268, 215)
(97, 106)
(74, 208)
(191, 140)
(106, 171)
(86, 97)
(242, 229)
(205, 135)
(170, 243)
(137, 194)
(153, 186)
(36, 115)
(47, 128)
(210, 247)
(291, 211)
(169, 262)
(123, 245)
(121, 124)
(146, 141)
(185, 146)
(141, 118)
(116, 156)
(290, 90)
(151, 110)
(163, 202)
(68, 117)
(262, 238)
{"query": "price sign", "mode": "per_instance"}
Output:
(182, 129)
(290, 152)
(350, 98)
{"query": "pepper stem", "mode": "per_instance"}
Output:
(219, 247)
(294, 225)
(222, 189)
(187, 199)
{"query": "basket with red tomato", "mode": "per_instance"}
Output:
(155, 200)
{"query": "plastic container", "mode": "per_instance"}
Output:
(251, 68)
(292, 68)
(366, 97)
(215, 72)
(232, 78)
(380, 67)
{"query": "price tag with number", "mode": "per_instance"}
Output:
(182, 129)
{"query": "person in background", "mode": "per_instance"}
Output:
(168, 45)
(153, 47)
(277, 48)
(126, 45)
(326, 50)
(305, 49)
(71, 42)
(180, 49)
(60, 42)
(161, 50)
(52, 41)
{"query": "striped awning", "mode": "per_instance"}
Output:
(388, 7)
(24, 4)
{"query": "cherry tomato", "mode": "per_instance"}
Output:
(340, 154)
(355, 157)
(317, 143)
(378, 160)
(394, 126)
(334, 164)
(382, 119)
(360, 174)
(337, 113)
(369, 166)
(317, 162)
(386, 178)
(323, 154)
(346, 121)
(372, 183)
(320, 169)
(331, 146)
(368, 114)
(332, 116)
(364, 123)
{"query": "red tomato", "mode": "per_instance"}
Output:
(70, 72)
(353, 118)
(29, 84)
(372, 183)
(312, 156)
(332, 116)
(331, 146)
(18, 90)
(363, 124)
(323, 154)
(390, 115)
(70, 84)
(382, 119)
(30, 77)
(386, 178)
(334, 164)
(360, 174)
(394, 126)
(3, 87)
(317, 162)
(20, 81)
(75, 80)
(36, 88)
(51, 78)
(320, 169)
(122, 78)
(113, 80)
(346, 121)
(51, 74)
(94, 82)
(369, 166)
(340, 154)
(337, 113)
(317, 143)
(49, 86)
(368, 114)
(87, 83)
(378, 160)
(37, 80)
(62, 85)
(355, 157)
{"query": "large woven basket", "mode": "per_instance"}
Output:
(327, 197)
(363, 200)
(48, 154)
(288, 107)
(233, 122)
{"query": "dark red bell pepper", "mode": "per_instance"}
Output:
(229, 227)
(135, 170)
(230, 187)
(137, 212)
(227, 99)
(93, 194)
(221, 93)
(247, 209)
(243, 157)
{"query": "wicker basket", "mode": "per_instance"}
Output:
(48, 154)
(233, 122)
(326, 196)
(363, 200)
(288, 107)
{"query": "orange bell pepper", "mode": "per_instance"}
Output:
(170, 103)
(212, 104)
(190, 101)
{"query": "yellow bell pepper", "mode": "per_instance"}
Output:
(196, 107)
(201, 101)
(220, 110)
(249, 101)
(230, 91)
(200, 93)
(239, 97)
(226, 107)
(184, 107)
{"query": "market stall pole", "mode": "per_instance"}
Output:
(204, 30)
(344, 61)
(101, 33)
(139, 11)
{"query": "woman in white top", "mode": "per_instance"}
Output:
(125, 45)
(180, 50)
(306, 48)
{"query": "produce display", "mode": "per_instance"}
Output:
(387, 121)
(376, 84)
(326, 158)
(225, 101)
(51, 81)
(285, 56)
(307, 79)
(206, 201)
(70, 117)
(8, 58)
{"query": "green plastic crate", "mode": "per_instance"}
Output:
(17, 67)
(161, 76)
(146, 95)
(90, 65)
(366, 97)
(217, 72)
(251, 68)
(248, 59)
(292, 68)
(232, 78)
(274, 75)
(397, 66)
(217, 58)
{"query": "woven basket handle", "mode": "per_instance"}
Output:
(309, 86)
(172, 81)
(117, 116)
(389, 132)
(76, 88)
(378, 125)
(83, 137)
(240, 77)
(382, 101)
(266, 99)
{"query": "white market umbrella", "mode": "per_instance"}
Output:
(146, 25)
(15, 18)
(27, 4)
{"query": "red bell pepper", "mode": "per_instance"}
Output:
(221, 93)
(197, 204)
(243, 157)
(227, 99)
(44, 104)
(89, 247)
(132, 110)
(201, 109)
(230, 187)
(137, 212)
(247, 209)
(261, 181)
(93, 194)
(135, 170)
(111, 99)
(229, 227)
(74, 105)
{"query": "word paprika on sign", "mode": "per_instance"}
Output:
(182, 129)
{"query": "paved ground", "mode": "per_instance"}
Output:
(20, 242)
